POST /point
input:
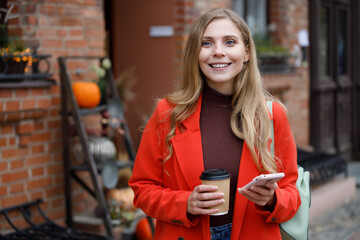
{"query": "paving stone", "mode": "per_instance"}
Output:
(342, 223)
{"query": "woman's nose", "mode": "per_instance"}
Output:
(219, 50)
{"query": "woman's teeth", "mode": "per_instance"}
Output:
(219, 65)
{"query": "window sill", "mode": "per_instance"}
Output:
(27, 83)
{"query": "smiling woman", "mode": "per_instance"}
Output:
(215, 120)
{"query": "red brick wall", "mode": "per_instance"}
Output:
(30, 124)
(290, 17)
(293, 90)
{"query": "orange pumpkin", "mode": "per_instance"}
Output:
(87, 94)
(143, 230)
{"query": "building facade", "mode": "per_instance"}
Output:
(321, 90)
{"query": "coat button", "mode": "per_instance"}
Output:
(181, 238)
(273, 219)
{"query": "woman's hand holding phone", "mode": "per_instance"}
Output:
(261, 190)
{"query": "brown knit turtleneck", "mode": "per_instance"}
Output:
(221, 148)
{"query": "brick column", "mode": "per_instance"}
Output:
(30, 124)
(289, 17)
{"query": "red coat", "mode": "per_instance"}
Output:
(161, 191)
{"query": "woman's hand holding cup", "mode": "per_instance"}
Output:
(202, 198)
(212, 196)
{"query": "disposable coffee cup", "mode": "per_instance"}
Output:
(221, 179)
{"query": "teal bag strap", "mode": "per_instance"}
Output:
(272, 148)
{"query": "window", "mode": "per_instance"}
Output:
(324, 42)
(342, 42)
(254, 13)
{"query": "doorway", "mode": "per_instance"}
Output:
(333, 82)
(141, 38)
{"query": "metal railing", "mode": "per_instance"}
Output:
(322, 166)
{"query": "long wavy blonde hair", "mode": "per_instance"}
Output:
(249, 100)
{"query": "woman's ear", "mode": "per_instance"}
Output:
(247, 55)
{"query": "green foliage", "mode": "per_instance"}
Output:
(266, 46)
(9, 43)
(16, 49)
(16, 45)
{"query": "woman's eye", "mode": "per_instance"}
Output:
(206, 43)
(230, 42)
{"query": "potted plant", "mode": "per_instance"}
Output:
(272, 57)
(101, 74)
(15, 57)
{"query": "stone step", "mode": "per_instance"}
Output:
(332, 194)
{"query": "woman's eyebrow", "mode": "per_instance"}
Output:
(207, 37)
(231, 36)
(226, 36)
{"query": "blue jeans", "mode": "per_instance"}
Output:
(221, 232)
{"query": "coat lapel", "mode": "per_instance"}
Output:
(247, 172)
(187, 147)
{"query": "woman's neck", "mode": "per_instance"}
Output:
(212, 96)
